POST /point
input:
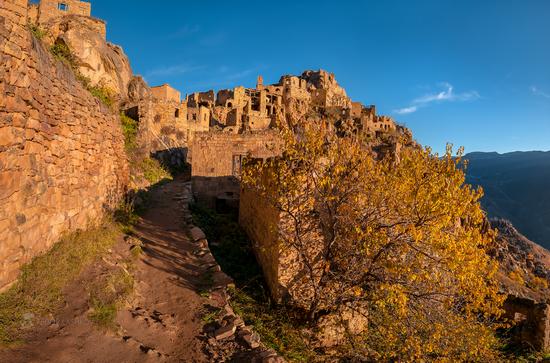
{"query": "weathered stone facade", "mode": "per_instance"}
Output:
(62, 160)
(261, 220)
(165, 92)
(280, 264)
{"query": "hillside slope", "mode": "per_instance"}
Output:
(524, 265)
(516, 189)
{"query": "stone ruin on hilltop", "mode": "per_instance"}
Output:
(62, 163)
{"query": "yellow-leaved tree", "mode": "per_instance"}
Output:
(401, 241)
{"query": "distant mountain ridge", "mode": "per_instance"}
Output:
(517, 188)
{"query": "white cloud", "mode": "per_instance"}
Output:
(538, 92)
(445, 95)
(405, 110)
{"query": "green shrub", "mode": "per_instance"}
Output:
(137, 251)
(62, 53)
(38, 32)
(210, 315)
(126, 214)
(104, 94)
(129, 130)
(103, 315)
(153, 171)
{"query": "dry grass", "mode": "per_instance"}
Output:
(107, 295)
(38, 292)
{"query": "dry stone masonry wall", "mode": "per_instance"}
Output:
(62, 160)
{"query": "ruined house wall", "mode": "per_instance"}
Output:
(286, 275)
(198, 120)
(49, 9)
(532, 322)
(62, 161)
(224, 96)
(260, 221)
(216, 160)
(207, 99)
(167, 127)
(166, 93)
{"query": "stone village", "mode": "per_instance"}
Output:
(211, 131)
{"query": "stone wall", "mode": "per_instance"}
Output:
(216, 161)
(282, 265)
(62, 160)
(261, 220)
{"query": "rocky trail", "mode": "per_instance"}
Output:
(163, 321)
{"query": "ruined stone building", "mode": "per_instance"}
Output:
(62, 158)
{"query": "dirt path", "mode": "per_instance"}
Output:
(162, 323)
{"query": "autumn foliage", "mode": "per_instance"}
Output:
(399, 240)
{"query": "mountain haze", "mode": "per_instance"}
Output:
(516, 188)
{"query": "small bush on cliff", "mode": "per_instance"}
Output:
(400, 242)
(129, 130)
(61, 52)
(37, 31)
(104, 94)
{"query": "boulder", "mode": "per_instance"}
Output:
(251, 339)
(332, 328)
(138, 89)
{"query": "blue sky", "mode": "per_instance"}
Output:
(474, 73)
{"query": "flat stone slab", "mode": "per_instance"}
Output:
(197, 234)
(251, 340)
(225, 331)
